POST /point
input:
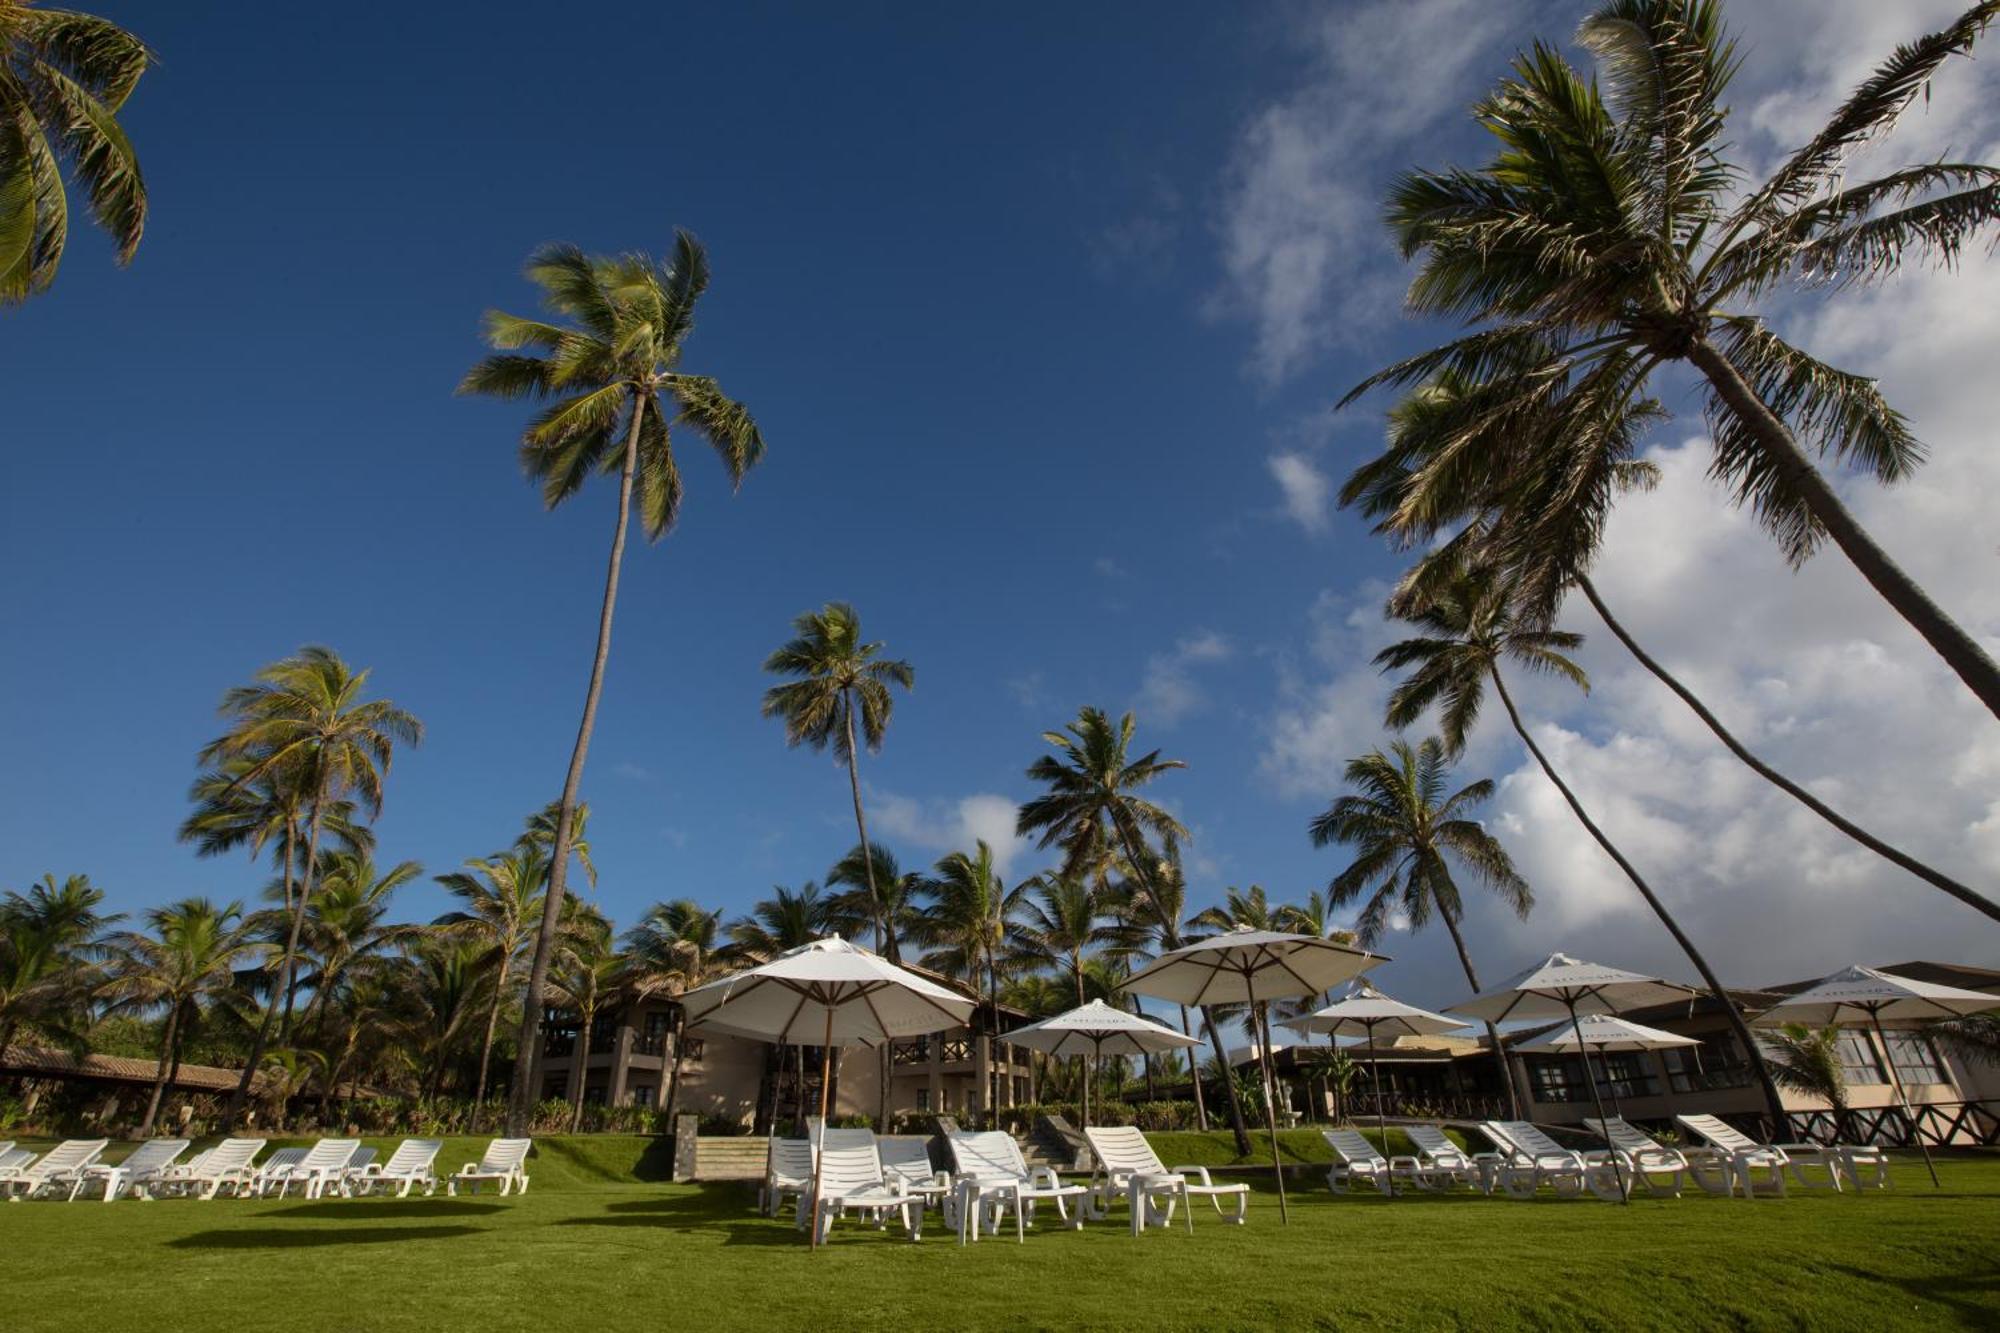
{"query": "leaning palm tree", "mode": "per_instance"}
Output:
(64, 77)
(1408, 837)
(968, 924)
(502, 894)
(1610, 236)
(1472, 626)
(305, 715)
(671, 951)
(50, 947)
(1807, 1059)
(187, 963)
(608, 361)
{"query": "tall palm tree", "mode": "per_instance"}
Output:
(671, 951)
(267, 812)
(64, 77)
(1063, 919)
(1471, 627)
(539, 831)
(188, 962)
(49, 949)
(967, 923)
(1408, 834)
(305, 715)
(437, 993)
(502, 894)
(1610, 236)
(788, 919)
(1807, 1059)
(608, 361)
(877, 895)
(346, 921)
(586, 977)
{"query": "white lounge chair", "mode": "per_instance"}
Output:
(505, 1162)
(1127, 1166)
(52, 1170)
(324, 1163)
(909, 1160)
(409, 1166)
(273, 1171)
(1661, 1169)
(1535, 1159)
(851, 1180)
(13, 1159)
(140, 1170)
(1447, 1162)
(1763, 1167)
(788, 1173)
(1361, 1160)
(229, 1165)
(991, 1176)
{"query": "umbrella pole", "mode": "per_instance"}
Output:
(1270, 1108)
(1381, 1116)
(1616, 1109)
(1916, 1130)
(1597, 1099)
(819, 1158)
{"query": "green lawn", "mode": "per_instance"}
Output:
(590, 1247)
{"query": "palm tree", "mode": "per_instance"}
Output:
(877, 896)
(437, 993)
(345, 921)
(1252, 909)
(63, 79)
(1062, 920)
(233, 810)
(584, 979)
(188, 961)
(788, 919)
(670, 952)
(1407, 836)
(1472, 626)
(1610, 236)
(502, 894)
(539, 831)
(305, 715)
(968, 921)
(608, 361)
(1807, 1060)
(49, 947)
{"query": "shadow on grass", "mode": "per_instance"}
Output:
(345, 1208)
(289, 1238)
(1972, 1296)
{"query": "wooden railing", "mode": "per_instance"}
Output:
(1938, 1124)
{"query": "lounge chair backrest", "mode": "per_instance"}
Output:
(1433, 1143)
(1122, 1150)
(1352, 1145)
(1531, 1139)
(412, 1156)
(329, 1154)
(846, 1138)
(848, 1169)
(1720, 1133)
(906, 1158)
(234, 1154)
(1497, 1132)
(6, 1146)
(791, 1159)
(990, 1153)
(283, 1159)
(1628, 1137)
(66, 1156)
(153, 1155)
(15, 1158)
(505, 1155)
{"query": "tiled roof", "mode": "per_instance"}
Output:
(50, 1063)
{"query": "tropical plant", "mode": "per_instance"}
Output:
(1408, 835)
(967, 923)
(1092, 809)
(64, 77)
(1610, 236)
(1062, 919)
(608, 362)
(877, 895)
(346, 921)
(1807, 1059)
(788, 919)
(1471, 625)
(435, 996)
(49, 950)
(669, 952)
(304, 718)
(502, 894)
(187, 964)
(586, 976)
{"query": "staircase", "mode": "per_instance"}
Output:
(1056, 1143)
(729, 1157)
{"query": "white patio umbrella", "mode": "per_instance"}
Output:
(1367, 1012)
(1565, 987)
(1862, 995)
(829, 992)
(1254, 967)
(1606, 1032)
(1096, 1030)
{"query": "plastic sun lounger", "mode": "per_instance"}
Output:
(1447, 1161)
(788, 1173)
(1533, 1160)
(909, 1160)
(409, 1166)
(52, 1170)
(504, 1162)
(323, 1164)
(1745, 1159)
(1662, 1170)
(1361, 1160)
(274, 1170)
(851, 1180)
(228, 1165)
(1128, 1166)
(140, 1170)
(992, 1177)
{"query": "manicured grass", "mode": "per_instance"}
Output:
(589, 1248)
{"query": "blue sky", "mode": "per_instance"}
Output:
(1041, 313)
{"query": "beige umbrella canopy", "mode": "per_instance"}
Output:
(1606, 1032)
(1096, 1030)
(1863, 996)
(828, 993)
(1254, 967)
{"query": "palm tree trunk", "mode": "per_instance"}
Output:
(1735, 1016)
(521, 1101)
(579, 1069)
(1970, 897)
(1492, 1032)
(884, 928)
(284, 986)
(673, 1089)
(486, 1047)
(1960, 651)
(1194, 1077)
(160, 1079)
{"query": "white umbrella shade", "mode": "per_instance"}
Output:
(1096, 1030)
(1367, 1012)
(1864, 997)
(1246, 966)
(1604, 1032)
(827, 993)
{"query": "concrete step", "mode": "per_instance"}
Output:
(729, 1157)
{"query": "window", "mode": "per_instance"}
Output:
(1915, 1058)
(1556, 1080)
(1858, 1063)
(554, 1087)
(923, 1099)
(1716, 1064)
(641, 1094)
(652, 1038)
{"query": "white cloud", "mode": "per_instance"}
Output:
(940, 825)
(632, 772)
(1169, 689)
(1107, 568)
(1305, 487)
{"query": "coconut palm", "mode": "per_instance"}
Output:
(437, 993)
(64, 77)
(346, 921)
(1092, 809)
(186, 964)
(1471, 627)
(967, 924)
(502, 894)
(49, 950)
(1411, 840)
(585, 978)
(1807, 1059)
(788, 919)
(672, 950)
(877, 895)
(267, 812)
(608, 362)
(540, 832)
(1610, 236)
(1062, 920)
(304, 718)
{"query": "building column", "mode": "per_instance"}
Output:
(934, 1046)
(621, 1057)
